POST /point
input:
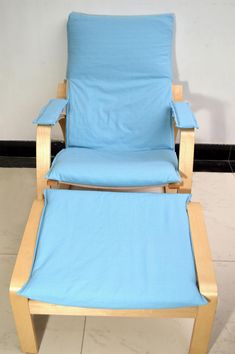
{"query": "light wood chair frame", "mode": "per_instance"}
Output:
(24, 309)
(43, 155)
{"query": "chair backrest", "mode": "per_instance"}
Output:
(119, 82)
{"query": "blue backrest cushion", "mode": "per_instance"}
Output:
(119, 72)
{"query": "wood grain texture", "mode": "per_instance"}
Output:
(186, 158)
(206, 281)
(43, 157)
(62, 89)
(177, 94)
(24, 323)
(202, 328)
(203, 260)
(25, 255)
(186, 154)
(37, 307)
(20, 305)
(43, 144)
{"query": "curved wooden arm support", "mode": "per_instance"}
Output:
(202, 254)
(206, 281)
(186, 150)
(43, 157)
(20, 305)
(25, 255)
(43, 145)
(43, 153)
(177, 94)
(186, 158)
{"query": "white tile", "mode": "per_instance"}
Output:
(216, 193)
(223, 338)
(140, 336)
(8, 339)
(63, 335)
(17, 190)
(126, 336)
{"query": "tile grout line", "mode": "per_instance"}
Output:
(222, 261)
(8, 254)
(83, 335)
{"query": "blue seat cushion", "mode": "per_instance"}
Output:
(114, 250)
(115, 169)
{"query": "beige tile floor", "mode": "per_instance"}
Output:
(72, 335)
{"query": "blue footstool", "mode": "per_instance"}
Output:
(120, 253)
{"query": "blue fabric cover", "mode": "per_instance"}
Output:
(184, 117)
(50, 114)
(119, 71)
(115, 169)
(114, 47)
(114, 250)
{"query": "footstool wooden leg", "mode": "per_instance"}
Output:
(21, 273)
(24, 323)
(203, 327)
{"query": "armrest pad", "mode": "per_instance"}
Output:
(183, 116)
(50, 114)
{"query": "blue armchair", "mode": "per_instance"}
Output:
(118, 109)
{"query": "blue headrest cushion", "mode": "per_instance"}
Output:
(119, 47)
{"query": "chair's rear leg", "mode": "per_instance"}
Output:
(170, 190)
(24, 323)
(203, 327)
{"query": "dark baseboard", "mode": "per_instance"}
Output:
(208, 157)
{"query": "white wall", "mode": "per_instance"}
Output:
(33, 58)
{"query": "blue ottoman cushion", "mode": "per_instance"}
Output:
(114, 250)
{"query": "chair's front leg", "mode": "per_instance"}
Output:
(203, 324)
(186, 156)
(43, 157)
(206, 281)
(24, 323)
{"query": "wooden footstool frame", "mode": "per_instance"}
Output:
(24, 309)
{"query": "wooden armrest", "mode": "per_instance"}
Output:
(25, 255)
(43, 145)
(203, 261)
(43, 153)
(186, 153)
(43, 157)
(186, 158)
